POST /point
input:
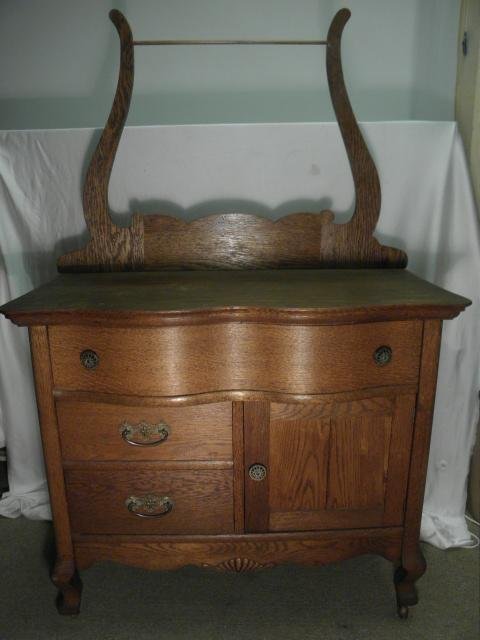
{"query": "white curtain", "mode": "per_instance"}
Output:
(427, 209)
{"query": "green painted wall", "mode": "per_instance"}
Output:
(59, 61)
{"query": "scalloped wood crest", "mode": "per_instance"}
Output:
(232, 240)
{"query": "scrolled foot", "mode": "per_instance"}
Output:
(67, 580)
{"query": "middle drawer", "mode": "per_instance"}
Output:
(103, 431)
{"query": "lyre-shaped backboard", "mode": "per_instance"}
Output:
(232, 240)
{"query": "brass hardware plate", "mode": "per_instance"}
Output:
(144, 434)
(150, 505)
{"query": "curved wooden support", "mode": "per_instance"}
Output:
(364, 172)
(111, 248)
(412, 569)
(235, 240)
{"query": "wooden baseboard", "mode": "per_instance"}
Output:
(238, 553)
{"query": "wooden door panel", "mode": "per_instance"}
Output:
(331, 464)
(358, 462)
(298, 464)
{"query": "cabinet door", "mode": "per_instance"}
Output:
(327, 465)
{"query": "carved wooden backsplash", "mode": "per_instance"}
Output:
(232, 240)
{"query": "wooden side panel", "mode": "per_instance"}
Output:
(412, 560)
(51, 444)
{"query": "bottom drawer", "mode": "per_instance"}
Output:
(149, 498)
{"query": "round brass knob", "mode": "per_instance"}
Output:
(89, 359)
(257, 472)
(382, 355)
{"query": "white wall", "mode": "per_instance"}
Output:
(59, 61)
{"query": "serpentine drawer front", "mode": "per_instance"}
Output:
(206, 358)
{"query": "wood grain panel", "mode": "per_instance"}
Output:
(92, 431)
(299, 464)
(399, 458)
(286, 296)
(339, 464)
(318, 548)
(51, 445)
(198, 359)
(413, 561)
(358, 462)
(203, 499)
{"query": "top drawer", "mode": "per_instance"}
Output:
(185, 360)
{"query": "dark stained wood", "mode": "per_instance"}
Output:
(93, 431)
(232, 240)
(256, 443)
(64, 572)
(203, 498)
(265, 549)
(199, 358)
(281, 296)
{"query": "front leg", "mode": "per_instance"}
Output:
(66, 579)
(412, 568)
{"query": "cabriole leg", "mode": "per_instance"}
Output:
(412, 568)
(67, 580)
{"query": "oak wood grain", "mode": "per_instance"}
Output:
(51, 445)
(93, 431)
(238, 444)
(198, 359)
(309, 296)
(339, 465)
(169, 553)
(291, 399)
(203, 498)
(256, 444)
(232, 240)
(413, 564)
(64, 574)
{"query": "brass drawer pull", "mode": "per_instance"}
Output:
(145, 432)
(382, 355)
(149, 506)
(90, 359)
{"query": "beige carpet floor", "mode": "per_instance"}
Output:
(353, 600)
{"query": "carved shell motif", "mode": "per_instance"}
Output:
(240, 565)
